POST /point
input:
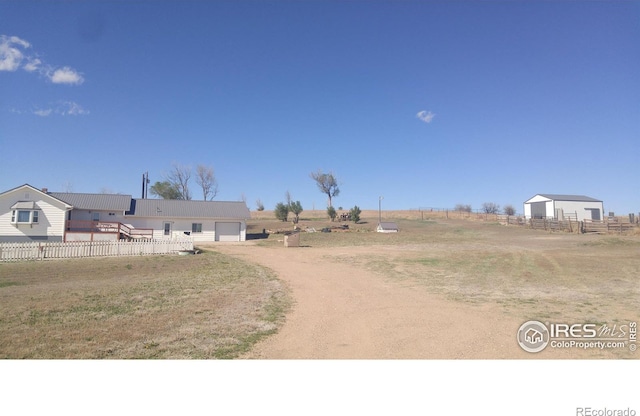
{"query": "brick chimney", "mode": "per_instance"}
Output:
(45, 190)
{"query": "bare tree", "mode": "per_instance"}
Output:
(287, 198)
(490, 208)
(327, 184)
(509, 210)
(179, 177)
(207, 181)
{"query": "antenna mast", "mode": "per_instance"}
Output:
(145, 184)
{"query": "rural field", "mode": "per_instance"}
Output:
(440, 288)
(204, 306)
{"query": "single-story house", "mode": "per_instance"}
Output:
(31, 214)
(560, 207)
(387, 227)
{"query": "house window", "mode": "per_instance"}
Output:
(24, 217)
(95, 216)
(196, 228)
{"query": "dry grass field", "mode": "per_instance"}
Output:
(537, 274)
(205, 306)
(217, 305)
(528, 274)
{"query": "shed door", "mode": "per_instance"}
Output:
(538, 210)
(595, 213)
(227, 231)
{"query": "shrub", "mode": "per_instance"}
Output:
(463, 208)
(296, 208)
(354, 214)
(259, 205)
(331, 212)
(281, 211)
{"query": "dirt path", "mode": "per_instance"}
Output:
(342, 311)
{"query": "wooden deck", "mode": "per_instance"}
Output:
(103, 230)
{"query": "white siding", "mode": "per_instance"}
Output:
(537, 198)
(179, 226)
(549, 212)
(51, 217)
(550, 208)
(87, 215)
(579, 208)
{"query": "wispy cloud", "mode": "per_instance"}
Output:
(10, 52)
(43, 113)
(66, 75)
(62, 108)
(33, 64)
(13, 56)
(426, 116)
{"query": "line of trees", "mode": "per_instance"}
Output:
(176, 183)
(488, 208)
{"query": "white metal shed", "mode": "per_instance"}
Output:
(561, 206)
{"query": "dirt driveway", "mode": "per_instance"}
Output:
(343, 311)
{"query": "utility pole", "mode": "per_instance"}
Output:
(145, 184)
(380, 198)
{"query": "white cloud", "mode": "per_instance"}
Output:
(66, 75)
(69, 108)
(426, 116)
(10, 55)
(17, 40)
(43, 113)
(62, 108)
(32, 65)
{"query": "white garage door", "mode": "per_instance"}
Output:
(227, 231)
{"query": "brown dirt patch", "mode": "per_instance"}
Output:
(443, 289)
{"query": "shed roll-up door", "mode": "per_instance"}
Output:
(227, 231)
(539, 210)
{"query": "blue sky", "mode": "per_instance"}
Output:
(428, 103)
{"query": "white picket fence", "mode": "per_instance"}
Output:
(75, 249)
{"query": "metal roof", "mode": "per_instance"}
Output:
(164, 208)
(562, 197)
(97, 202)
(388, 226)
